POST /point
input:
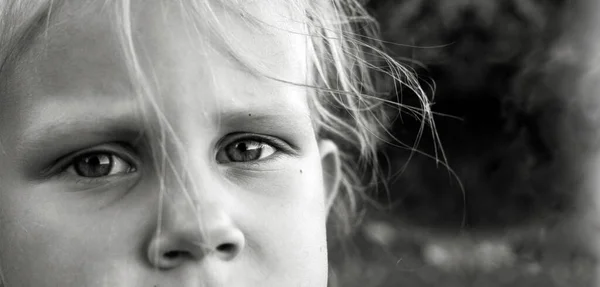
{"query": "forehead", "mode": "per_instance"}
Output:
(184, 48)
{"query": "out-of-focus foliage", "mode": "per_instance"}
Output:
(500, 74)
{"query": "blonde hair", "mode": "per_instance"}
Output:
(349, 63)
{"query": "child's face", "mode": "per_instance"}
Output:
(79, 196)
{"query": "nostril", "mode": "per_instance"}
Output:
(167, 259)
(227, 248)
(227, 251)
(228, 243)
(173, 255)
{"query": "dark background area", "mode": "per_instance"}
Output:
(503, 212)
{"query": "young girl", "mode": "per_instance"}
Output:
(183, 143)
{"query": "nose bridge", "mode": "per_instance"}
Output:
(194, 190)
(188, 165)
(195, 221)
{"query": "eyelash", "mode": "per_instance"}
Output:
(278, 145)
(68, 162)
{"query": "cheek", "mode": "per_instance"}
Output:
(285, 218)
(38, 230)
(294, 191)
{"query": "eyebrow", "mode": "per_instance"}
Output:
(50, 129)
(102, 127)
(67, 136)
(77, 130)
(286, 121)
(265, 119)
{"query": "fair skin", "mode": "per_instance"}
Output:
(80, 201)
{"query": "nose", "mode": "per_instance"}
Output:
(187, 234)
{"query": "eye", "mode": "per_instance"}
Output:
(98, 164)
(245, 151)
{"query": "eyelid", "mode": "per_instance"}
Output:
(277, 143)
(122, 150)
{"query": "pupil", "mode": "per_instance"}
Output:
(243, 152)
(242, 147)
(96, 165)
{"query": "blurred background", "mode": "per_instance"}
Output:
(512, 85)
